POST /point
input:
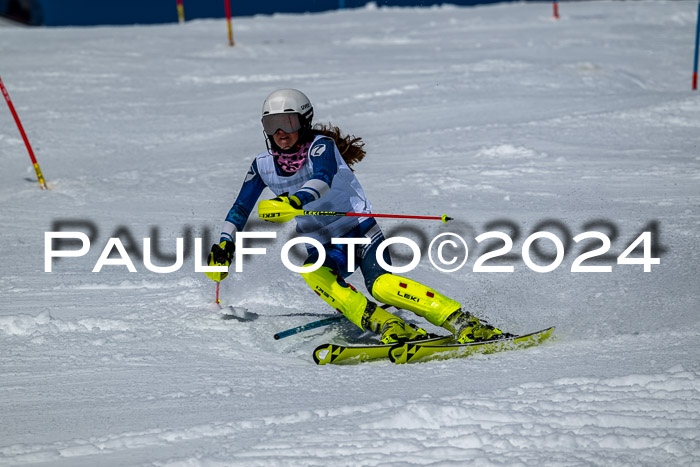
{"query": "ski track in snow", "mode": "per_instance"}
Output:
(496, 115)
(567, 421)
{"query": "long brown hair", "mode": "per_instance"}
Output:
(351, 147)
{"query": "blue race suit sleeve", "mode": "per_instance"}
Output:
(237, 217)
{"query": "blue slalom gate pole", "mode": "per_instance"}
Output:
(306, 327)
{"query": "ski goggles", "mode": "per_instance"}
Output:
(289, 123)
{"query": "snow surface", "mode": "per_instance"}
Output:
(497, 115)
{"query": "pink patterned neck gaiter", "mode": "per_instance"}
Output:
(292, 162)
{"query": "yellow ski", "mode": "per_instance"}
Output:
(350, 354)
(423, 351)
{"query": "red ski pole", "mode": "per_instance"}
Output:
(39, 176)
(279, 211)
(444, 218)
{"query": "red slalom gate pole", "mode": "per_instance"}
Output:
(227, 6)
(697, 40)
(555, 6)
(37, 169)
(180, 12)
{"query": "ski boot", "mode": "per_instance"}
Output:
(467, 328)
(391, 328)
(357, 309)
(413, 296)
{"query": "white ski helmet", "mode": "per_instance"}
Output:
(287, 101)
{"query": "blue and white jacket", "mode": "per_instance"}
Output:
(324, 183)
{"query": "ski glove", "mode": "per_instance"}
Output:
(220, 255)
(293, 201)
(284, 208)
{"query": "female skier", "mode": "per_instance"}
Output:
(310, 167)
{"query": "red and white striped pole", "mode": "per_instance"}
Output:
(227, 6)
(37, 169)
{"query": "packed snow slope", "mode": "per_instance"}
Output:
(499, 116)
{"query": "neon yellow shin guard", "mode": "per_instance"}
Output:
(411, 295)
(347, 300)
